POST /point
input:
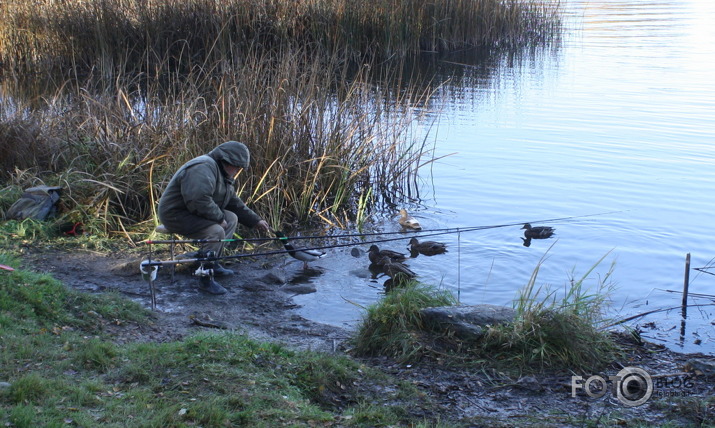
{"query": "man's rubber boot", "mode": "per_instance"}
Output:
(221, 271)
(207, 284)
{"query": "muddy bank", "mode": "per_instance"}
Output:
(257, 305)
(254, 304)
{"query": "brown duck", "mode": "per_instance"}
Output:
(407, 221)
(427, 248)
(376, 255)
(397, 271)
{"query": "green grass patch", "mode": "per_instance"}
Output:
(63, 370)
(692, 411)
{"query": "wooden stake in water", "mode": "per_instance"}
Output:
(459, 266)
(686, 283)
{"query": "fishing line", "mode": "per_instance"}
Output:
(268, 253)
(704, 270)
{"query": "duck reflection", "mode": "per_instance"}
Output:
(305, 276)
(389, 285)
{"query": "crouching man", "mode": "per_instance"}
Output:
(200, 202)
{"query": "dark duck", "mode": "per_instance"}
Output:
(537, 232)
(399, 272)
(376, 255)
(427, 248)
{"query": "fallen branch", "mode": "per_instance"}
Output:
(652, 312)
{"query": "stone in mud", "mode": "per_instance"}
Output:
(275, 276)
(700, 367)
(126, 268)
(466, 322)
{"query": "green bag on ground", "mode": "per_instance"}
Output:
(39, 203)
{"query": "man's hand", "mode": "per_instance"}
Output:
(263, 225)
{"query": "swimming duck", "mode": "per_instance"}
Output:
(305, 255)
(538, 232)
(428, 248)
(408, 222)
(376, 255)
(396, 270)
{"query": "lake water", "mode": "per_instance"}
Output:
(614, 131)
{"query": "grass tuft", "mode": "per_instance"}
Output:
(547, 332)
(29, 388)
(393, 326)
(96, 354)
(555, 332)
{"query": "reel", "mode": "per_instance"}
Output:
(201, 271)
(205, 270)
(148, 272)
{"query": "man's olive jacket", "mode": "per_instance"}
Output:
(200, 190)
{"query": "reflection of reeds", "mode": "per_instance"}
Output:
(122, 93)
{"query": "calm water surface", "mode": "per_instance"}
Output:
(620, 119)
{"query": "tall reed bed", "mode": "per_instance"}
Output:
(319, 148)
(100, 35)
(108, 98)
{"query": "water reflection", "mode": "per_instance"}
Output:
(306, 276)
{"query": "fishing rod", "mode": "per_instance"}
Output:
(705, 270)
(433, 232)
(349, 235)
(457, 229)
(149, 268)
(322, 247)
(654, 311)
(207, 241)
(150, 263)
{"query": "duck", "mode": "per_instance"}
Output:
(305, 255)
(428, 248)
(397, 271)
(375, 254)
(537, 232)
(407, 221)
